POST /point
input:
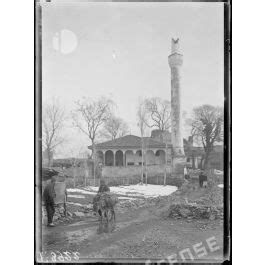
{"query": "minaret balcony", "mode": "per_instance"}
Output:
(175, 59)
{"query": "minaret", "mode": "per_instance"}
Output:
(175, 60)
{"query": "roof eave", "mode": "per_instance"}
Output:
(127, 147)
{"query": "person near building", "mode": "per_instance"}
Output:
(103, 187)
(48, 198)
(186, 174)
(202, 179)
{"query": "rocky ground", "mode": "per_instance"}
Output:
(155, 227)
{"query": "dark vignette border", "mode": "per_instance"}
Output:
(227, 132)
(37, 128)
(227, 126)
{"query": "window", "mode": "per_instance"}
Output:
(130, 163)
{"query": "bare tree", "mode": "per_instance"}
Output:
(159, 117)
(158, 113)
(207, 128)
(142, 117)
(53, 120)
(142, 124)
(90, 116)
(114, 127)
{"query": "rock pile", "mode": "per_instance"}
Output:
(59, 216)
(128, 205)
(195, 211)
(208, 206)
(87, 208)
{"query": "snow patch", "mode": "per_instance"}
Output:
(221, 185)
(82, 191)
(75, 203)
(76, 196)
(144, 190)
(127, 198)
(218, 172)
(138, 190)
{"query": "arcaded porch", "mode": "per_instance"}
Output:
(131, 157)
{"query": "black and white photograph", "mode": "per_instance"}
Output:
(132, 107)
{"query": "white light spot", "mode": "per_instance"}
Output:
(65, 42)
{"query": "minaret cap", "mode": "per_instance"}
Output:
(174, 45)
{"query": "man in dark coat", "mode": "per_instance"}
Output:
(103, 187)
(48, 198)
(202, 179)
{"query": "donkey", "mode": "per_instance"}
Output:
(104, 205)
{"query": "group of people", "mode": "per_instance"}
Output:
(202, 177)
(49, 197)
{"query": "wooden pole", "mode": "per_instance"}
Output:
(94, 164)
(142, 161)
(74, 175)
(165, 174)
(145, 167)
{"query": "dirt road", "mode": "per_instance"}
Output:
(140, 233)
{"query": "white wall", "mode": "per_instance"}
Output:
(130, 171)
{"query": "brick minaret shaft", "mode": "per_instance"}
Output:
(175, 60)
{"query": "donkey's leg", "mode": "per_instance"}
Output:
(114, 215)
(112, 218)
(107, 215)
(100, 215)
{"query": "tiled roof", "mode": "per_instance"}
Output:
(129, 141)
(132, 141)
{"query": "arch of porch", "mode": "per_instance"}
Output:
(124, 157)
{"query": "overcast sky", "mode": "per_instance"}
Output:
(121, 50)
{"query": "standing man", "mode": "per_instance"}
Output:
(103, 187)
(48, 198)
(202, 179)
(186, 175)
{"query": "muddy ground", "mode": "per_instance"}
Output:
(142, 233)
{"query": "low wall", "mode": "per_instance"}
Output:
(134, 171)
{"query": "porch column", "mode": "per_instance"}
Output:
(103, 160)
(124, 160)
(114, 152)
